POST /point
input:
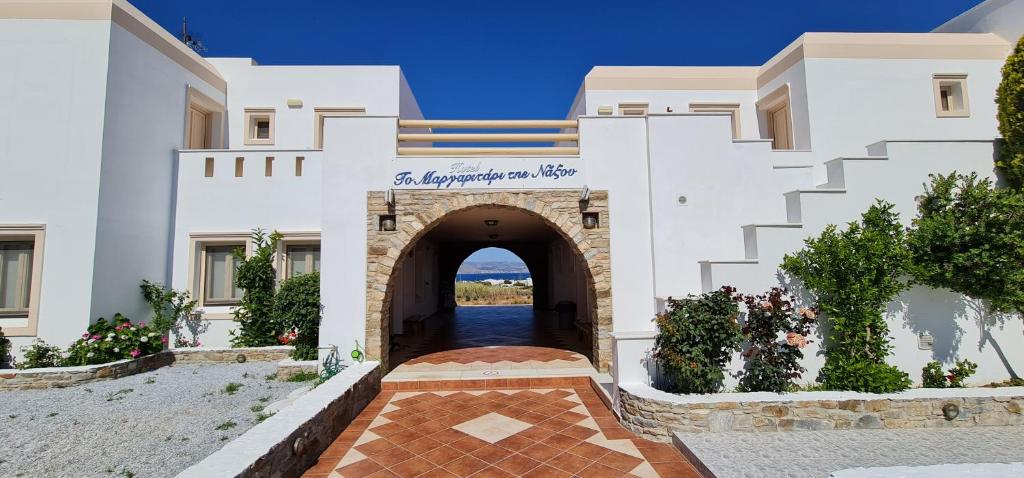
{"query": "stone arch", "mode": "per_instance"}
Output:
(419, 211)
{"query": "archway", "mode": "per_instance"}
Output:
(428, 220)
(491, 276)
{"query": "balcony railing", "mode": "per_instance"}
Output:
(563, 141)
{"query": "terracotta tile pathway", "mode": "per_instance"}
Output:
(519, 354)
(561, 432)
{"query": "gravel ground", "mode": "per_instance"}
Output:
(152, 424)
(808, 454)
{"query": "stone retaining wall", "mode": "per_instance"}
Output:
(227, 354)
(289, 368)
(60, 377)
(288, 443)
(656, 415)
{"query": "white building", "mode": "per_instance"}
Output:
(127, 156)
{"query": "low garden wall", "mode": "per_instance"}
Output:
(289, 442)
(655, 415)
(289, 368)
(60, 377)
(227, 354)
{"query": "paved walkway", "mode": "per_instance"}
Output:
(817, 454)
(541, 427)
(481, 326)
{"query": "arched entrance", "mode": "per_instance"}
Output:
(427, 220)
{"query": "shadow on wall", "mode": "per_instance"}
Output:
(934, 312)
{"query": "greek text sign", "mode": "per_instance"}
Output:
(488, 173)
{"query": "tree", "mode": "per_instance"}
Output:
(258, 326)
(1010, 103)
(969, 237)
(854, 274)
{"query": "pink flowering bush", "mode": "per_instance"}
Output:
(117, 339)
(775, 331)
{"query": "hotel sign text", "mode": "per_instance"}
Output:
(503, 173)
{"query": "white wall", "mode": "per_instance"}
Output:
(227, 204)
(679, 101)
(856, 102)
(726, 184)
(416, 286)
(961, 327)
(51, 133)
(357, 158)
(376, 88)
(143, 127)
(1002, 17)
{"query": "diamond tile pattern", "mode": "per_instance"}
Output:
(500, 433)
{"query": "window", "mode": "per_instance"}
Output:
(203, 118)
(732, 108)
(219, 267)
(951, 95)
(775, 109)
(15, 277)
(259, 126)
(213, 267)
(20, 275)
(633, 109)
(319, 114)
(301, 259)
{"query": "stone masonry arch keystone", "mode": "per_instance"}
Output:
(419, 211)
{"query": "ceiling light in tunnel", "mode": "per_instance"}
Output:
(491, 222)
(493, 236)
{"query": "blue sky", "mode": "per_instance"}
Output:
(525, 59)
(493, 254)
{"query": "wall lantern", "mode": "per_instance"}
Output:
(491, 222)
(590, 220)
(387, 222)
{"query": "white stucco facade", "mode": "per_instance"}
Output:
(697, 198)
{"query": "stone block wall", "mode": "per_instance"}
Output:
(656, 415)
(60, 377)
(288, 443)
(289, 368)
(227, 354)
(417, 212)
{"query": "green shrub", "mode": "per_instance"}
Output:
(117, 339)
(170, 307)
(854, 274)
(5, 350)
(932, 376)
(773, 365)
(257, 325)
(1010, 106)
(696, 338)
(969, 237)
(40, 355)
(297, 307)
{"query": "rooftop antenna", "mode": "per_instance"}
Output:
(190, 41)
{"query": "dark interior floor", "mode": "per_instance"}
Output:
(485, 325)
